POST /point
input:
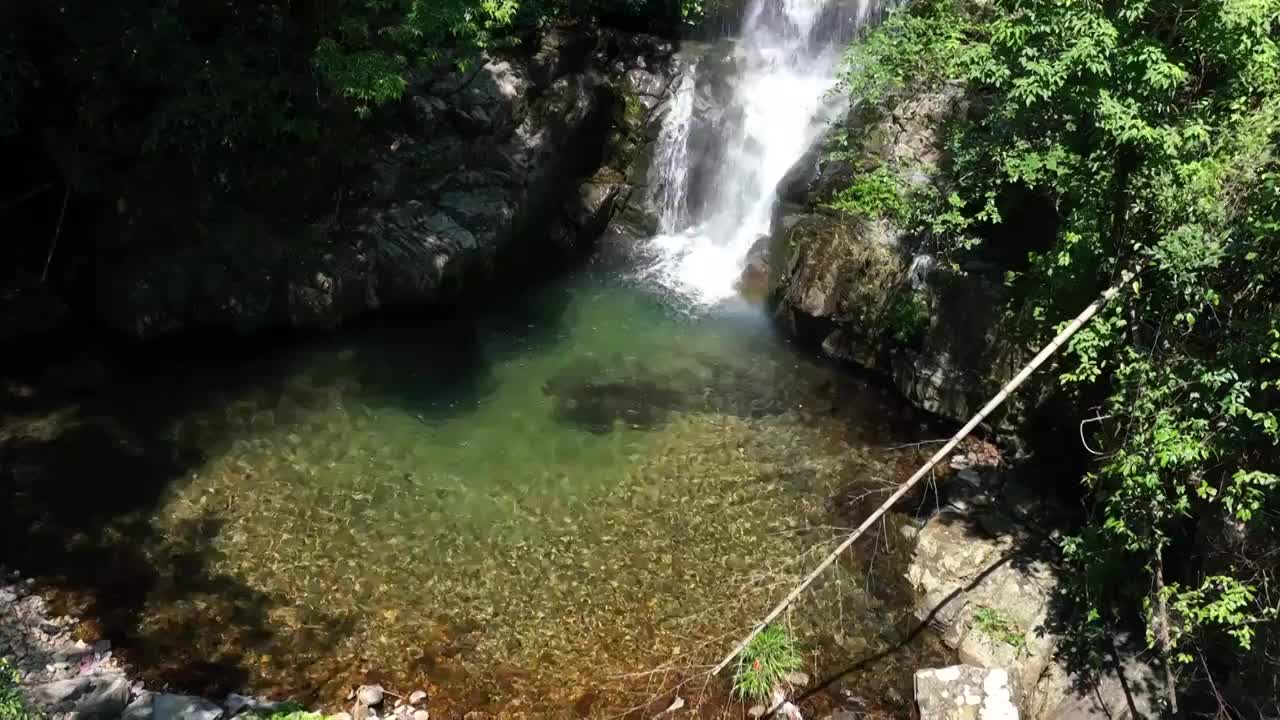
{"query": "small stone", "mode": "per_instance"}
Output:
(756, 711)
(102, 647)
(417, 697)
(421, 715)
(797, 679)
(236, 702)
(140, 708)
(184, 707)
(370, 695)
(788, 711)
(907, 532)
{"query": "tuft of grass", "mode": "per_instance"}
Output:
(13, 706)
(907, 318)
(765, 663)
(996, 626)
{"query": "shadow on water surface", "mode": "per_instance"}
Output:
(87, 465)
(83, 474)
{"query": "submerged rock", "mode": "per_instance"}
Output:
(598, 404)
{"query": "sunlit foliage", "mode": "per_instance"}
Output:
(1150, 127)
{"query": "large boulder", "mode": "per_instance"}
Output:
(991, 602)
(865, 291)
(512, 164)
(964, 692)
(100, 695)
(852, 287)
(984, 575)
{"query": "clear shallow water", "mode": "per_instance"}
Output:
(523, 512)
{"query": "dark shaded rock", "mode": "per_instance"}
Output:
(514, 163)
(755, 275)
(715, 115)
(30, 310)
(798, 185)
(1120, 693)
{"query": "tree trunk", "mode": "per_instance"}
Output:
(1162, 635)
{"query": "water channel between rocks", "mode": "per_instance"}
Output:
(518, 511)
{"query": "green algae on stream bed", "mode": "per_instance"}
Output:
(527, 518)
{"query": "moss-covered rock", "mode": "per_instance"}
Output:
(846, 278)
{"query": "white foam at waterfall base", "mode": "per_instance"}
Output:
(785, 73)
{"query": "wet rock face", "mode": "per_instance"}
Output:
(517, 162)
(864, 291)
(715, 116)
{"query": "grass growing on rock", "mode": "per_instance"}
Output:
(995, 625)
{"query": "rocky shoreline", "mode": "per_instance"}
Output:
(985, 576)
(62, 675)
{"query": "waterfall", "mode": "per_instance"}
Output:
(779, 103)
(673, 154)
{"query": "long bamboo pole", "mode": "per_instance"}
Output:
(1085, 316)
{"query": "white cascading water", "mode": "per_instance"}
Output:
(786, 67)
(673, 154)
